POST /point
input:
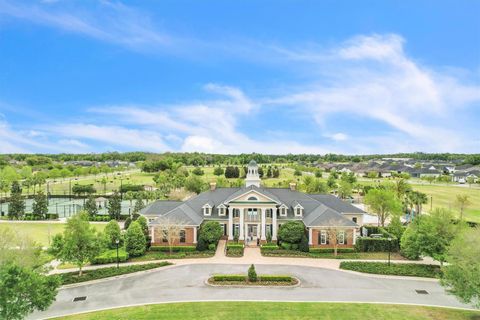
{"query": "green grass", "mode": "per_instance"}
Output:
(41, 232)
(353, 255)
(396, 269)
(279, 310)
(444, 197)
(158, 255)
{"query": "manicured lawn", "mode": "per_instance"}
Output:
(444, 197)
(279, 310)
(41, 232)
(396, 269)
(158, 255)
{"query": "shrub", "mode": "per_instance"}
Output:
(234, 250)
(174, 248)
(229, 277)
(330, 250)
(303, 246)
(212, 246)
(275, 278)
(72, 277)
(269, 247)
(234, 246)
(286, 245)
(252, 274)
(201, 245)
(127, 222)
(398, 269)
(112, 233)
(135, 240)
(367, 244)
(110, 256)
(291, 232)
(210, 232)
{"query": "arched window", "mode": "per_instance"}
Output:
(252, 198)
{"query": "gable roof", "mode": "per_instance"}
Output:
(262, 191)
(336, 204)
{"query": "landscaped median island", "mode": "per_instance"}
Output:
(101, 273)
(252, 279)
(174, 252)
(396, 269)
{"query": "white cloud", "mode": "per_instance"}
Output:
(339, 136)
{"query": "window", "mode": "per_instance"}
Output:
(323, 237)
(298, 211)
(182, 236)
(236, 230)
(354, 219)
(252, 198)
(221, 211)
(283, 211)
(341, 237)
(207, 210)
(236, 213)
(268, 214)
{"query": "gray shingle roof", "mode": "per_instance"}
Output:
(318, 210)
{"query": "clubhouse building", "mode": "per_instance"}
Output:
(254, 214)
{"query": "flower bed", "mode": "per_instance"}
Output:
(262, 280)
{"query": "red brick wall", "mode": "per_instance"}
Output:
(188, 238)
(315, 233)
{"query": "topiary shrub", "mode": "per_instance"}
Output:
(135, 240)
(252, 274)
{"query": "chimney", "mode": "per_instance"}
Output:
(213, 186)
(293, 186)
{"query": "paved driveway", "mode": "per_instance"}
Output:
(186, 283)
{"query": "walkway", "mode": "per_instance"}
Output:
(187, 283)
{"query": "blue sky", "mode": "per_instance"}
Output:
(279, 77)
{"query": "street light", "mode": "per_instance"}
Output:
(117, 241)
(389, 249)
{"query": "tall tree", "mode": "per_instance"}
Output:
(23, 291)
(91, 206)
(139, 205)
(40, 205)
(79, 243)
(462, 274)
(16, 208)
(418, 199)
(112, 234)
(114, 206)
(135, 240)
(383, 203)
(462, 202)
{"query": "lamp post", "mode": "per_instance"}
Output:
(389, 249)
(117, 241)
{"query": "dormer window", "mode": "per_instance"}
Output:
(207, 210)
(222, 210)
(283, 210)
(298, 210)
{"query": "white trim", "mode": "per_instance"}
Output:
(205, 207)
(283, 208)
(323, 236)
(257, 192)
(298, 206)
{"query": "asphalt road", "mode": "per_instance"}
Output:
(187, 283)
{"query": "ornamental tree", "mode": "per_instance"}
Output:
(291, 232)
(210, 232)
(91, 206)
(16, 207)
(114, 206)
(112, 234)
(23, 291)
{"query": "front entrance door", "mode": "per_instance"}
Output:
(252, 234)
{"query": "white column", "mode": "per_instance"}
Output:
(310, 236)
(194, 234)
(230, 223)
(241, 236)
(264, 230)
(153, 235)
(274, 222)
(354, 236)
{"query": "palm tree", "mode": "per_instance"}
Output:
(418, 199)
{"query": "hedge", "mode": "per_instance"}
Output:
(234, 250)
(367, 244)
(72, 277)
(174, 248)
(269, 247)
(110, 256)
(330, 250)
(229, 277)
(234, 246)
(397, 269)
(276, 278)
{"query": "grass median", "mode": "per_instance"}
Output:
(395, 269)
